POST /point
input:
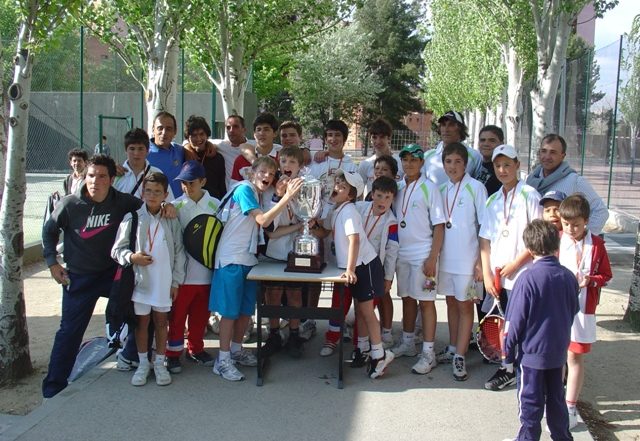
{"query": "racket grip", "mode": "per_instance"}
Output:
(497, 279)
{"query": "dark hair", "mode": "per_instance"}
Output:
(292, 152)
(541, 238)
(390, 160)
(380, 126)
(495, 130)
(575, 206)
(548, 139)
(77, 153)
(291, 125)
(338, 125)
(385, 184)
(105, 161)
(456, 148)
(353, 192)
(194, 123)
(266, 118)
(136, 136)
(168, 115)
(462, 128)
(158, 178)
(239, 118)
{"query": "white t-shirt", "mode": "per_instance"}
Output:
(325, 172)
(382, 232)
(366, 170)
(418, 207)
(239, 241)
(434, 170)
(127, 182)
(229, 153)
(197, 273)
(279, 248)
(158, 291)
(346, 221)
(521, 206)
(461, 247)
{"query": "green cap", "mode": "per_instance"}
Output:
(412, 149)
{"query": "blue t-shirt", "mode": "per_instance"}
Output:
(244, 197)
(169, 161)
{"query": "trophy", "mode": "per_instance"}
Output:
(307, 255)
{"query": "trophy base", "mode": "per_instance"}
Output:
(304, 264)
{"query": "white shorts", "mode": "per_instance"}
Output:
(461, 286)
(411, 282)
(144, 309)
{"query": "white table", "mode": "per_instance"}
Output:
(269, 270)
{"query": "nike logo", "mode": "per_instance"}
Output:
(89, 234)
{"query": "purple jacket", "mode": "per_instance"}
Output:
(539, 315)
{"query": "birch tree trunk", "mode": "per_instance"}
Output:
(471, 122)
(515, 75)
(3, 133)
(15, 360)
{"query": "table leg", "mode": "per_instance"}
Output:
(259, 379)
(340, 344)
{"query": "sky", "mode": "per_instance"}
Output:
(615, 22)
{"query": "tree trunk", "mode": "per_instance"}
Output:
(632, 315)
(3, 133)
(233, 83)
(471, 123)
(515, 76)
(15, 361)
(162, 83)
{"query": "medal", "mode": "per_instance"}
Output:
(404, 207)
(403, 224)
(505, 233)
(450, 211)
(448, 224)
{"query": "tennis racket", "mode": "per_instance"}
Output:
(488, 333)
(201, 237)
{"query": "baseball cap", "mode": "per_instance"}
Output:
(452, 114)
(412, 149)
(354, 179)
(190, 171)
(506, 150)
(553, 195)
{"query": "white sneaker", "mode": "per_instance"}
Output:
(445, 356)
(308, 329)
(387, 341)
(376, 367)
(140, 375)
(124, 364)
(227, 370)
(244, 357)
(163, 377)
(403, 349)
(426, 362)
(573, 418)
(459, 369)
(214, 324)
(328, 348)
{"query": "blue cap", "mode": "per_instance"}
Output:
(190, 171)
(553, 195)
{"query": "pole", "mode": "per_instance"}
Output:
(100, 132)
(214, 98)
(563, 100)
(613, 124)
(82, 87)
(142, 102)
(182, 92)
(587, 100)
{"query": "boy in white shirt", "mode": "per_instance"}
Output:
(507, 214)
(418, 207)
(193, 295)
(159, 271)
(232, 296)
(363, 269)
(380, 132)
(460, 265)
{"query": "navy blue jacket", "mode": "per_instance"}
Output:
(539, 315)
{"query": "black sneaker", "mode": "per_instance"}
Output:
(295, 346)
(271, 346)
(173, 365)
(359, 358)
(202, 358)
(500, 380)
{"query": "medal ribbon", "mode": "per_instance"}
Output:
(366, 223)
(454, 201)
(152, 239)
(404, 207)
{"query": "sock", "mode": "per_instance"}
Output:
(363, 344)
(407, 337)
(333, 328)
(459, 356)
(427, 346)
(508, 367)
(377, 352)
(235, 347)
(224, 355)
(143, 360)
(571, 405)
(159, 359)
(451, 348)
(386, 331)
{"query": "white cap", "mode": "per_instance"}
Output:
(354, 179)
(506, 150)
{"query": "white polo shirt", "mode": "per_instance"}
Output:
(127, 182)
(346, 221)
(197, 273)
(366, 170)
(279, 247)
(325, 172)
(505, 232)
(434, 170)
(229, 153)
(461, 247)
(418, 207)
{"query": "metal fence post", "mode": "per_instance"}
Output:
(587, 99)
(82, 87)
(614, 124)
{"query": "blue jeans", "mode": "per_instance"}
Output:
(78, 302)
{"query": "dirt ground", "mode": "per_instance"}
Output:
(610, 401)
